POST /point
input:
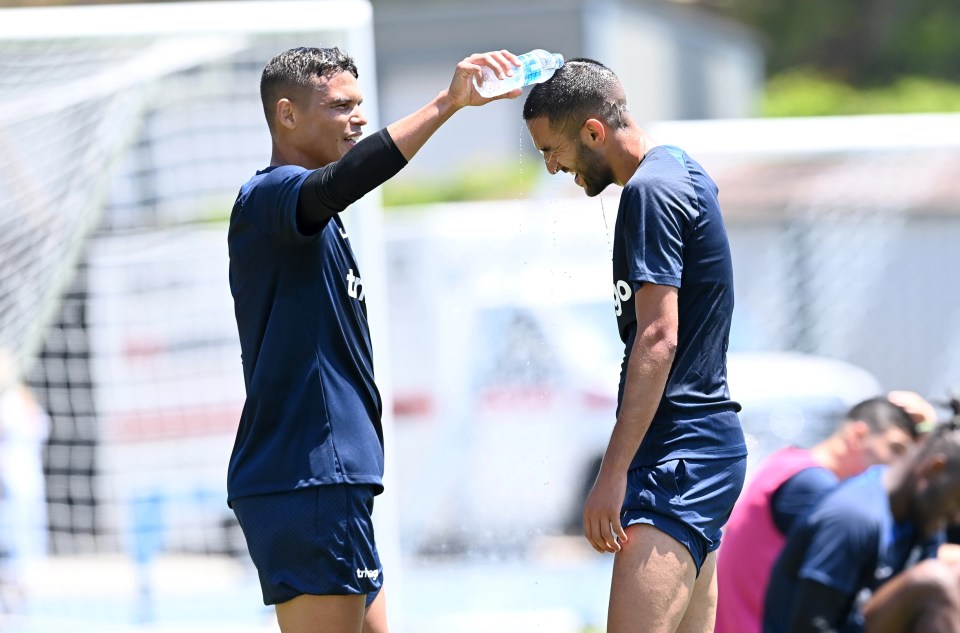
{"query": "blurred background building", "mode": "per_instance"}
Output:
(675, 60)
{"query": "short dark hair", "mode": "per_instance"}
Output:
(580, 89)
(943, 439)
(291, 73)
(880, 415)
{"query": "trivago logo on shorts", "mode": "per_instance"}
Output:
(368, 573)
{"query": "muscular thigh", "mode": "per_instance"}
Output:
(654, 577)
(322, 614)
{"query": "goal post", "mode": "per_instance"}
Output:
(125, 134)
(80, 85)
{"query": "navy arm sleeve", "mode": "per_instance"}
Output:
(332, 188)
(798, 494)
(818, 608)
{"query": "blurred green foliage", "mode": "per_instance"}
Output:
(872, 56)
(499, 182)
(865, 43)
(808, 92)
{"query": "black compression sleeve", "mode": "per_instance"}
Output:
(334, 187)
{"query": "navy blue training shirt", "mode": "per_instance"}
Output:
(798, 494)
(670, 232)
(849, 542)
(312, 411)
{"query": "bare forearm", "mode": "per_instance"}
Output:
(412, 132)
(651, 358)
(647, 372)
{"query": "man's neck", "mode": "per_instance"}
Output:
(831, 454)
(633, 143)
(897, 483)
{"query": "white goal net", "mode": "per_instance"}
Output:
(125, 133)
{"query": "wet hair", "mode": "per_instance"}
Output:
(880, 415)
(291, 74)
(580, 89)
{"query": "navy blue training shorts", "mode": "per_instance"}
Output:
(312, 541)
(688, 499)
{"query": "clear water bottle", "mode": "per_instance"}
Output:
(536, 66)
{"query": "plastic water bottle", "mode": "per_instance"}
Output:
(536, 66)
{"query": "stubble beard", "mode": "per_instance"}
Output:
(595, 174)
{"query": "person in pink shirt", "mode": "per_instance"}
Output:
(790, 482)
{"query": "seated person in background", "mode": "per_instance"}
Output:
(861, 534)
(922, 599)
(787, 484)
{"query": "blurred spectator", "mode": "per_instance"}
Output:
(861, 534)
(924, 598)
(790, 482)
(23, 430)
(951, 549)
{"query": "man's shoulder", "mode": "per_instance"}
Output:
(265, 184)
(783, 464)
(861, 501)
(788, 456)
(275, 175)
(662, 173)
(268, 200)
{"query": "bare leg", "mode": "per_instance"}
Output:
(653, 582)
(701, 615)
(375, 618)
(322, 614)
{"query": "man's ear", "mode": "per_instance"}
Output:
(593, 132)
(286, 113)
(857, 431)
(933, 465)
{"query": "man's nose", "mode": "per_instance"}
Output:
(552, 165)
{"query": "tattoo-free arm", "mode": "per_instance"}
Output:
(649, 366)
(335, 186)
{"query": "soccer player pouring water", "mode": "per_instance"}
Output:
(676, 459)
(308, 457)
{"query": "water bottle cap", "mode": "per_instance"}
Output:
(559, 58)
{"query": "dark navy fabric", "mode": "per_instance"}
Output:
(849, 542)
(312, 411)
(798, 494)
(689, 500)
(670, 231)
(315, 541)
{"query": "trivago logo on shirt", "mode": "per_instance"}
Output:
(354, 286)
(621, 293)
(368, 573)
